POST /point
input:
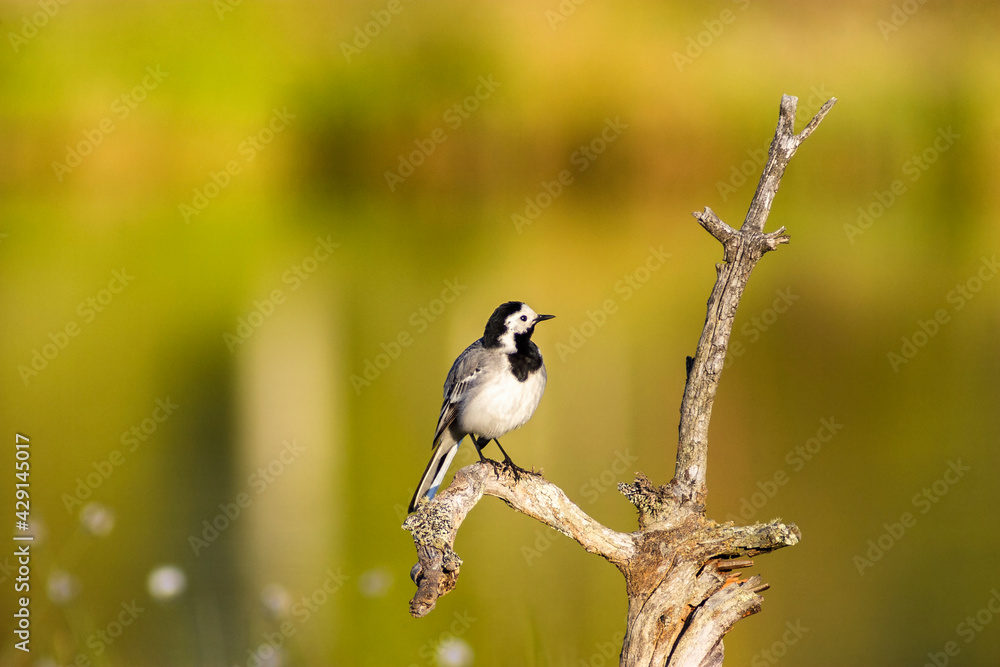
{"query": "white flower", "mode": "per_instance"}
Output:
(97, 519)
(276, 599)
(454, 652)
(63, 587)
(375, 583)
(166, 582)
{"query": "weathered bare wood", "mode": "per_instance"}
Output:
(436, 524)
(682, 570)
(742, 250)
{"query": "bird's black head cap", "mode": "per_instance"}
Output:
(497, 324)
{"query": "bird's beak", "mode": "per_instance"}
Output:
(542, 318)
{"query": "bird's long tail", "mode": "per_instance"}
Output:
(444, 452)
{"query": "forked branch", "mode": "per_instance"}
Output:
(742, 250)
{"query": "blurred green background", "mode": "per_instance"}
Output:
(242, 243)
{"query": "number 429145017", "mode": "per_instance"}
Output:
(22, 467)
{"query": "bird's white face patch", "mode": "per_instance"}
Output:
(517, 323)
(522, 320)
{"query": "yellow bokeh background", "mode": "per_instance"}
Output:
(243, 242)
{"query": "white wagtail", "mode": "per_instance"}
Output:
(492, 388)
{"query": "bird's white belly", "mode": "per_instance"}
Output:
(502, 405)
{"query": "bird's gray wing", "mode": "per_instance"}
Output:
(465, 374)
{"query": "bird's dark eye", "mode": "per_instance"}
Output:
(524, 318)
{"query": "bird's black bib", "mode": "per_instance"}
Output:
(527, 359)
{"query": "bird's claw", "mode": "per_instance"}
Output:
(515, 471)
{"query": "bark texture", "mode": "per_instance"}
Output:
(681, 568)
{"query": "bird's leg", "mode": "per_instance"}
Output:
(516, 470)
(479, 443)
(506, 456)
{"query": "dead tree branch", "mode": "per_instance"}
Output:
(436, 524)
(681, 568)
(742, 250)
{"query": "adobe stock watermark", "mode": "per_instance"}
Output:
(408, 163)
(419, 321)
(968, 629)
(606, 654)
(697, 44)
(364, 34)
(626, 288)
(900, 15)
(121, 108)
(924, 501)
(748, 170)
(915, 167)
(101, 640)
(223, 7)
(294, 277)
(596, 486)
(31, 25)
(752, 331)
(248, 150)
(562, 12)
(7, 569)
(87, 310)
(258, 482)
(797, 457)
(592, 490)
(302, 611)
(581, 159)
(544, 539)
(957, 298)
(131, 439)
(779, 648)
